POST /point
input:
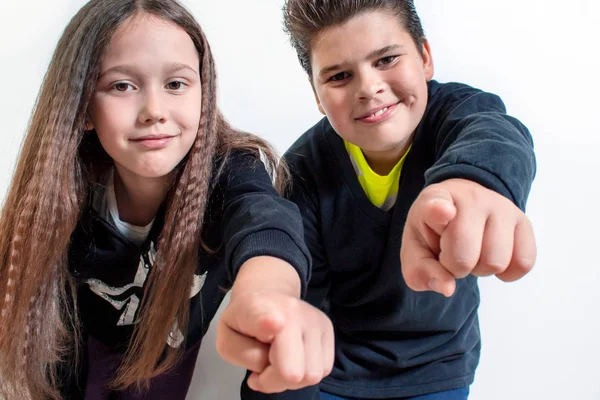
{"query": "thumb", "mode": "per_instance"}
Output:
(255, 316)
(436, 208)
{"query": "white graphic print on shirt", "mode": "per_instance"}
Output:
(130, 304)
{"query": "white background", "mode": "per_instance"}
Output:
(541, 334)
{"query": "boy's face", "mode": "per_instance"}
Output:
(370, 80)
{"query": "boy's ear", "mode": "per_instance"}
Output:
(321, 109)
(428, 68)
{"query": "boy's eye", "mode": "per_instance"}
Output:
(340, 76)
(175, 85)
(386, 60)
(123, 86)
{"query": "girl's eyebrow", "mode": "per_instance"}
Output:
(130, 70)
(177, 66)
(373, 54)
(123, 69)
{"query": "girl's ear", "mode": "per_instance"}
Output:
(88, 122)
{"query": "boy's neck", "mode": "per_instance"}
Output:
(138, 199)
(382, 162)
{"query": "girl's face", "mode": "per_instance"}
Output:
(147, 102)
(370, 79)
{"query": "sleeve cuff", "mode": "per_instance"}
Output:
(274, 243)
(475, 174)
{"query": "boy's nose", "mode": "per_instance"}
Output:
(370, 85)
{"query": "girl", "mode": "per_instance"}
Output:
(133, 205)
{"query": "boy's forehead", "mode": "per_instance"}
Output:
(357, 39)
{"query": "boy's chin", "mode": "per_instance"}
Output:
(384, 145)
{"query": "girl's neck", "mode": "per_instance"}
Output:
(138, 199)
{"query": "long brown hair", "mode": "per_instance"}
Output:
(304, 19)
(57, 163)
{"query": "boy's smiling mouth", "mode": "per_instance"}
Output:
(378, 114)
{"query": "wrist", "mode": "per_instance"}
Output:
(266, 273)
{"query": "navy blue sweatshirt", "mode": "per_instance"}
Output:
(245, 217)
(392, 341)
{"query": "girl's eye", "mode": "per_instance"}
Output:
(175, 85)
(339, 77)
(123, 87)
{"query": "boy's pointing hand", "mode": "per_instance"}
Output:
(458, 227)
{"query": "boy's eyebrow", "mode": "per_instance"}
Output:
(129, 70)
(382, 51)
(373, 54)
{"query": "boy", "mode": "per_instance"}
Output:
(409, 190)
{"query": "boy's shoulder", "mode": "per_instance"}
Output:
(442, 89)
(452, 94)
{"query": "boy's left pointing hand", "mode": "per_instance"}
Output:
(458, 227)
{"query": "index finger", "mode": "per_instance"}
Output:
(421, 269)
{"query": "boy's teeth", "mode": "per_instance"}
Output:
(378, 113)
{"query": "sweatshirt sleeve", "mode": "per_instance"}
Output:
(476, 140)
(302, 193)
(256, 221)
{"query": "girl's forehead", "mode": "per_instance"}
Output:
(147, 40)
(144, 24)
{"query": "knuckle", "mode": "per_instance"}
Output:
(255, 300)
(461, 267)
(292, 376)
(491, 267)
(312, 378)
(523, 265)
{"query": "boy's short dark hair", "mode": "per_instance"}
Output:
(304, 19)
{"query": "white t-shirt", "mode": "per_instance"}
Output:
(108, 210)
